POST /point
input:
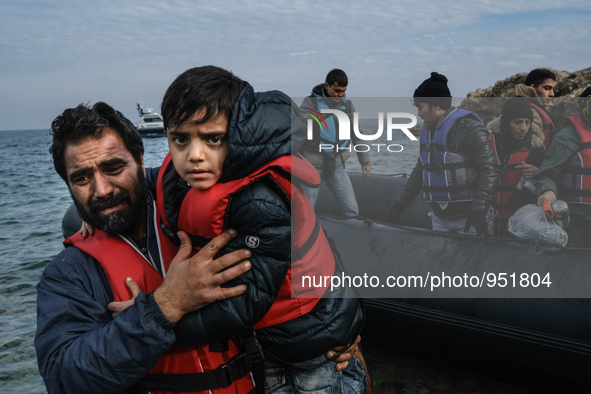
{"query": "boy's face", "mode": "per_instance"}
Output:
(198, 150)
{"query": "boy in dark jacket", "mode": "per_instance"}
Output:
(230, 167)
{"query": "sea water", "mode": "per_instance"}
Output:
(33, 199)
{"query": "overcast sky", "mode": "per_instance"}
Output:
(57, 54)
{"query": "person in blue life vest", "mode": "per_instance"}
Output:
(326, 151)
(456, 168)
(519, 151)
(231, 166)
(565, 173)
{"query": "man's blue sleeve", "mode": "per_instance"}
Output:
(80, 348)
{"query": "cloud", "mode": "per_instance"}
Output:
(55, 54)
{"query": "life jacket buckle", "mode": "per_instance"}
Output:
(253, 348)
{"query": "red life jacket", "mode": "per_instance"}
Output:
(120, 260)
(576, 178)
(202, 214)
(547, 124)
(508, 180)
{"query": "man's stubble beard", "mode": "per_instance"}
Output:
(121, 221)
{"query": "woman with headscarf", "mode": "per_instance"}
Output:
(519, 151)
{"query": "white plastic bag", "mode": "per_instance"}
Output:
(530, 222)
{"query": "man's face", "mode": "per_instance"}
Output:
(429, 114)
(198, 150)
(546, 91)
(106, 183)
(335, 90)
(519, 127)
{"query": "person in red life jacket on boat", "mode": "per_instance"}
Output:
(538, 88)
(519, 151)
(80, 347)
(230, 166)
(456, 168)
(565, 173)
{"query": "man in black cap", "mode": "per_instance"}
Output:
(566, 172)
(456, 168)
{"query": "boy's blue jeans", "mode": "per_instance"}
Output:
(340, 185)
(322, 380)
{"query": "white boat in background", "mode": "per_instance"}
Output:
(150, 124)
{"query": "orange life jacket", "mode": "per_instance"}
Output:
(547, 124)
(508, 180)
(576, 178)
(180, 364)
(202, 214)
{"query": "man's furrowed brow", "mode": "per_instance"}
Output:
(112, 161)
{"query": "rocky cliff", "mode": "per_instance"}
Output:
(568, 86)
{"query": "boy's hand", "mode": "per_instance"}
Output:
(341, 356)
(118, 307)
(192, 283)
(86, 230)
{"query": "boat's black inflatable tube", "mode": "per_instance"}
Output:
(543, 340)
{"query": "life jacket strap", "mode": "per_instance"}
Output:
(256, 358)
(433, 148)
(222, 376)
(575, 192)
(578, 171)
(447, 166)
(448, 189)
(299, 253)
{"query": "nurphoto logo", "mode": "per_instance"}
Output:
(330, 142)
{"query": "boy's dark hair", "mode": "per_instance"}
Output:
(338, 76)
(537, 76)
(208, 88)
(75, 125)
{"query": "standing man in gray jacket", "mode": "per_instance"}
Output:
(325, 150)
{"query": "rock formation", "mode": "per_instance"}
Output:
(568, 86)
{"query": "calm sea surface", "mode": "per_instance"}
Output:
(33, 199)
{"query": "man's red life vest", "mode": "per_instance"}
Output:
(120, 260)
(547, 124)
(508, 180)
(202, 214)
(576, 178)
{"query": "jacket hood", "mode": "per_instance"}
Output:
(260, 130)
(525, 91)
(537, 138)
(319, 92)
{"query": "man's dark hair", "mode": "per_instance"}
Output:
(338, 76)
(443, 102)
(207, 88)
(537, 76)
(75, 125)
